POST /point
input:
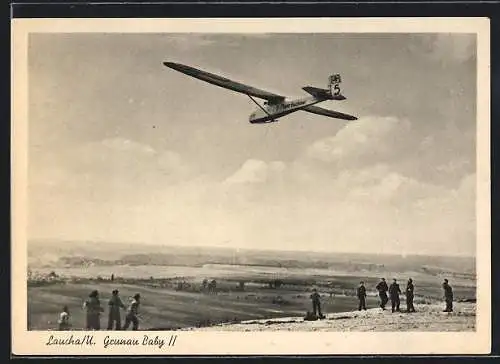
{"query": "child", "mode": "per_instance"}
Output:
(63, 321)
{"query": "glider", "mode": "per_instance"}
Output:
(275, 105)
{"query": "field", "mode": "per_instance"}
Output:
(173, 296)
(164, 309)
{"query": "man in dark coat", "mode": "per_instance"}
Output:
(448, 296)
(382, 289)
(394, 292)
(93, 307)
(361, 293)
(315, 297)
(115, 304)
(409, 296)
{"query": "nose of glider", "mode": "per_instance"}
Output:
(179, 67)
(172, 65)
(182, 68)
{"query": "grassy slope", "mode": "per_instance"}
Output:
(166, 308)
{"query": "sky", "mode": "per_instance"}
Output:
(122, 148)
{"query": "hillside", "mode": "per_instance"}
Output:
(428, 317)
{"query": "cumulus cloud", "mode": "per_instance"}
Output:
(256, 171)
(367, 141)
(362, 212)
(366, 208)
(111, 171)
(442, 155)
(344, 193)
(121, 157)
(394, 213)
(391, 187)
(349, 192)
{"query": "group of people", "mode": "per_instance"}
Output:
(93, 308)
(394, 292)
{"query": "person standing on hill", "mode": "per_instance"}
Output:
(115, 304)
(93, 307)
(409, 296)
(394, 292)
(316, 302)
(448, 296)
(133, 311)
(361, 293)
(382, 289)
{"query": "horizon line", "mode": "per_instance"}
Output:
(149, 244)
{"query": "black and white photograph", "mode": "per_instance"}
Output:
(319, 179)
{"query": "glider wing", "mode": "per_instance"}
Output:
(225, 82)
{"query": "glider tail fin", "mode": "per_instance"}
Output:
(330, 93)
(334, 82)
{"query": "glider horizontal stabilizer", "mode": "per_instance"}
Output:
(333, 114)
(322, 93)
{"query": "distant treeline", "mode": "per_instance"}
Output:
(56, 253)
(197, 260)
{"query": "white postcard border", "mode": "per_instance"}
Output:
(252, 343)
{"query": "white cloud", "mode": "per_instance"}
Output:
(256, 171)
(391, 213)
(371, 208)
(343, 194)
(110, 174)
(362, 142)
(356, 199)
(128, 160)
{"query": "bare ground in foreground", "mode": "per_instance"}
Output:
(429, 317)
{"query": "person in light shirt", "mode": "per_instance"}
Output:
(132, 313)
(64, 319)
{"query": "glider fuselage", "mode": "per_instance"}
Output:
(270, 112)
